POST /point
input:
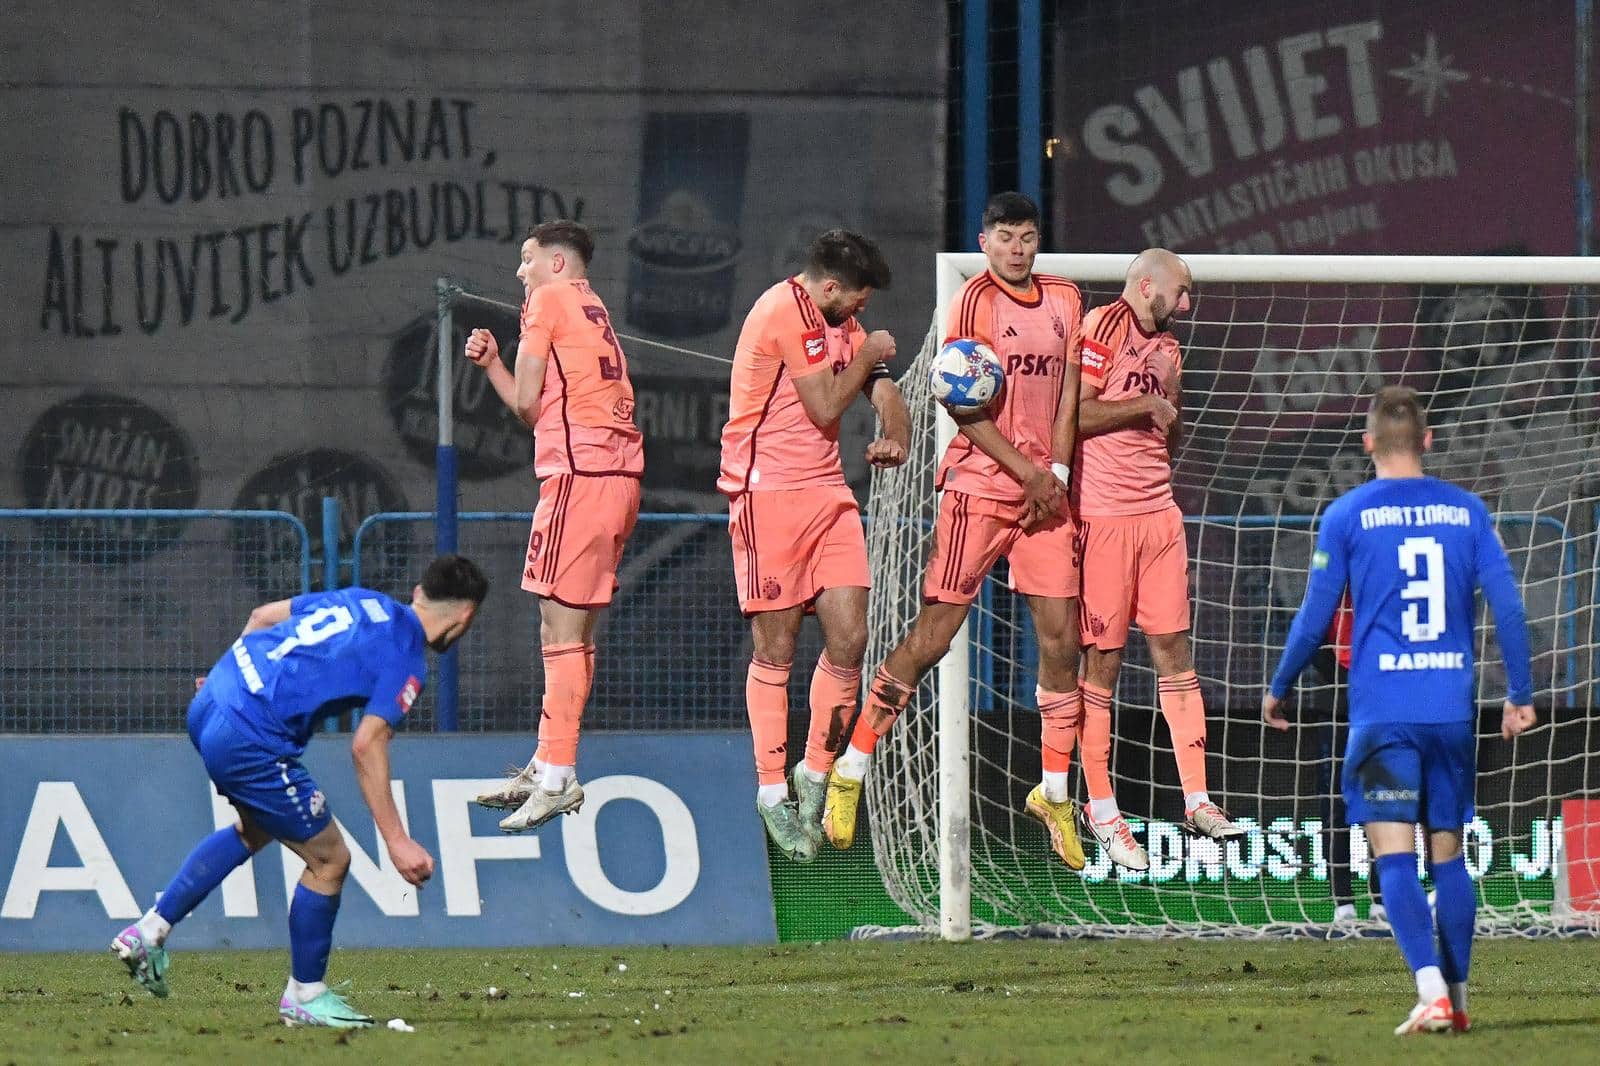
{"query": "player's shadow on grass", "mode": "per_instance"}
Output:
(1535, 1023)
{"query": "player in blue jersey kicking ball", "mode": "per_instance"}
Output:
(1414, 551)
(299, 661)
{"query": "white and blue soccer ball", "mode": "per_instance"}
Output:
(966, 376)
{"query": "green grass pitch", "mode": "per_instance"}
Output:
(1192, 1002)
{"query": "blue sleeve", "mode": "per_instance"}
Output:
(1505, 600)
(1330, 569)
(399, 684)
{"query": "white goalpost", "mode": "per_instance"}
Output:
(1280, 356)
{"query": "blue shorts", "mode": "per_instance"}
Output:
(275, 792)
(1411, 772)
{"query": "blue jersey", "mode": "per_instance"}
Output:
(1414, 552)
(353, 648)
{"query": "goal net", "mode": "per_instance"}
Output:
(1281, 357)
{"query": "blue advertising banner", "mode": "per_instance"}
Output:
(91, 829)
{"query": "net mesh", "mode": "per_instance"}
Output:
(1276, 380)
(106, 621)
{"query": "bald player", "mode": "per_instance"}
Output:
(1135, 561)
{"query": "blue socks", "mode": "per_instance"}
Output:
(1456, 909)
(1408, 910)
(211, 861)
(311, 918)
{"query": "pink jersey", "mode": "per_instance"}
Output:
(1127, 471)
(1036, 336)
(769, 442)
(585, 423)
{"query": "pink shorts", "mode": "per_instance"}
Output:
(579, 529)
(791, 544)
(972, 532)
(1135, 569)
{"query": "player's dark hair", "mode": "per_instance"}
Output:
(1396, 421)
(454, 577)
(1009, 209)
(849, 258)
(567, 234)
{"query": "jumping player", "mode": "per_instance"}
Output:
(297, 662)
(802, 358)
(571, 388)
(1004, 483)
(1413, 551)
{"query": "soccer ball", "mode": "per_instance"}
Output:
(966, 376)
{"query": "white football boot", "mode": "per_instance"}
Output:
(1116, 837)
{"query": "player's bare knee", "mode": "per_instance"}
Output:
(1058, 657)
(1443, 846)
(1100, 667)
(772, 643)
(1169, 653)
(333, 864)
(847, 644)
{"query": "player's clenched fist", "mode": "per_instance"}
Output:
(482, 348)
(411, 860)
(1162, 413)
(883, 453)
(1516, 719)
(1042, 495)
(878, 347)
(1272, 713)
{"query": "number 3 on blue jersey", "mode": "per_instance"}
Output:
(1429, 588)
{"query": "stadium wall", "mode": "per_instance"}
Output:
(91, 829)
(225, 225)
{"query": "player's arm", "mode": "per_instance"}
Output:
(824, 394)
(1324, 591)
(1064, 431)
(1510, 626)
(894, 421)
(1096, 416)
(483, 351)
(369, 749)
(528, 384)
(1042, 491)
(521, 389)
(1174, 387)
(1102, 337)
(268, 615)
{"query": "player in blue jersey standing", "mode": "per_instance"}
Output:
(297, 662)
(1413, 550)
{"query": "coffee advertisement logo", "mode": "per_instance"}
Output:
(685, 245)
(99, 450)
(490, 439)
(270, 556)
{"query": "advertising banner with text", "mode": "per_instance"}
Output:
(657, 854)
(1317, 127)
